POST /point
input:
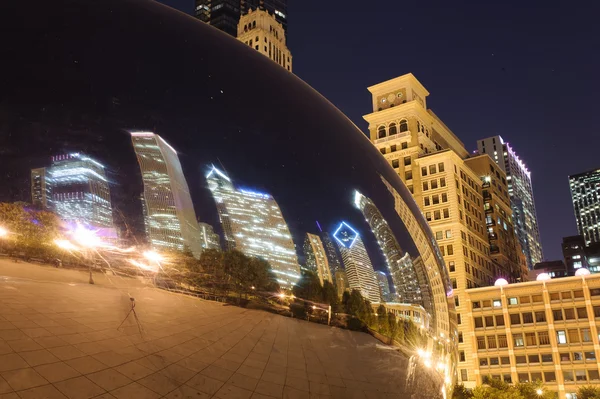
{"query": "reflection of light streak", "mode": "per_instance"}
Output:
(3, 232)
(153, 256)
(66, 245)
(143, 266)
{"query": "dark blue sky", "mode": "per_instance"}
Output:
(525, 70)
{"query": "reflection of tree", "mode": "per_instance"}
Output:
(32, 231)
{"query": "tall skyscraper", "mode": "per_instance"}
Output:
(384, 287)
(359, 269)
(253, 224)
(316, 259)
(520, 190)
(209, 239)
(400, 267)
(261, 31)
(225, 14)
(333, 258)
(585, 192)
(80, 191)
(40, 188)
(169, 214)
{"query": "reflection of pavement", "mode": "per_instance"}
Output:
(59, 338)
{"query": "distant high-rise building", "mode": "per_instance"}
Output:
(209, 239)
(253, 224)
(400, 266)
(40, 188)
(585, 192)
(169, 214)
(261, 31)
(316, 259)
(359, 269)
(80, 190)
(341, 282)
(520, 190)
(578, 255)
(333, 258)
(384, 287)
(225, 14)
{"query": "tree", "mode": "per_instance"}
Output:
(236, 265)
(460, 392)
(382, 320)
(401, 331)
(345, 298)
(260, 275)
(529, 390)
(33, 231)
(355, 304)
(309, 287)
(588, 392)
(330, 296)
(392, 325)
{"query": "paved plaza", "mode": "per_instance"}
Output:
(59, 339)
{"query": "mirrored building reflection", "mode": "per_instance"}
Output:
(254, 225)
(169, 214)
(316, 259)
(357, 264)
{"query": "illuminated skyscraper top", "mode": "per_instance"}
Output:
(253, 224)
(359, 269)
(225, 14)
(169, 214)
(399, 264)
(585, 192)
(521, 195)
(40, 188)
(80, 190)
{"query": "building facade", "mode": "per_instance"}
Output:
(253, 224)
(577, 254)
(431, 161)
(520, 191)
(316, 259)
(41, 193)
(225, 14)
(585, 193)
(505, 248)
(208, 238)
(261, 31)
(399, 264)
(169, 216)
(384, 287)
(79, 189)
(358, 266)
(538, 330)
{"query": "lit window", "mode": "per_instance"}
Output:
(561, 336)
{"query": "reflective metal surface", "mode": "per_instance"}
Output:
(162, 135)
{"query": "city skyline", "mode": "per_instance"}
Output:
(477, 94)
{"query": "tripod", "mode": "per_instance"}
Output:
(132, 310)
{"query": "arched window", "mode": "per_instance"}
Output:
(393, 129)
(403, 126)
(381, 132)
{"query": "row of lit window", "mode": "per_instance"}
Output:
(570, 376)
(536, 359)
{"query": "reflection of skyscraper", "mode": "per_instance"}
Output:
(359, 269)
(80, 190)
(316, 259)
(335, 263)
(208, 238)
(384, 286)
(40, 188)
(168, 209)
(400, 267)
(253, 224)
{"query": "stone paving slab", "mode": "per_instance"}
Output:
(59, 339)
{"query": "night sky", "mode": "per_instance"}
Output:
(527, 72)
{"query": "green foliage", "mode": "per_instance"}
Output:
(355, 305)
(588, 392)
(496, 389)
(392, 326)
(298, 310)
(355, 324)
(309, 287)
(460, 392)
(32, 231)
(382, 320)
(330, 296)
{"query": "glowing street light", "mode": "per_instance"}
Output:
(66, 245)
(539, 392)
(153, 256)
(3, 232)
